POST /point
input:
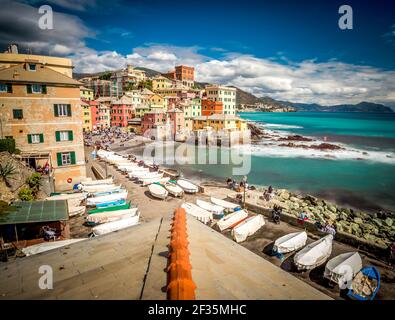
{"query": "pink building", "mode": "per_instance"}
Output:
(177, 120)
(152, 119)
(122, 110)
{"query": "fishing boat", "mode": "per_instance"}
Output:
(111, 203)
(147, 181)
(68, 196)
(109, 216)
(188, 186)
(115, 225)
(139, 175)
(73, 202)
(174, 189)
(225, 204)
(107, 198)
(110, 208)
(232, 219)
(104, 193)
(75, 211)
(343, 268)
(314, 254)
(218, 210)
(46, 246)
(158, 191)
(247, 228)
(366, 284)
(96, 182)
(199, 213)
(100, 188)
(290, 242)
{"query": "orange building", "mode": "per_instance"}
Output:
(184, 74)
(211, 107)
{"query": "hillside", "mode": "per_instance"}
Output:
(360, 107)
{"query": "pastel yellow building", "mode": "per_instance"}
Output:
(161, 82)
(86, 93)
(219, 122)
(86, 116)
(40, 110)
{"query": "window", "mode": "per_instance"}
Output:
(62, 110)
(6, 87)
(35, 138)
(66, 158)
(32, 67)
(36, 88)
(64, 135)
(17, 113)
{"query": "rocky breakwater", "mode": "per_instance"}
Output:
(377, 228)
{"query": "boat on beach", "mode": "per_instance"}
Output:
(290, 242)
(110, 216)
(104, 193)
(111, 203)
(139, 175)
(46, 246)
(75, 211)
(107, 198)
(366, 284)
(157, 191)
(247, 228)
(68, 196)
(199, 213)
(232, 219)
(188, 186)
(147, 181)
(115, 225)
(96, 182)
(314, 254)
(215, 209)
(225, 204)
(343, 268)
(100, 188)
(174, 189)
(110, 208)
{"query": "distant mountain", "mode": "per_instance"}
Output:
(360, 107)
(149, 72)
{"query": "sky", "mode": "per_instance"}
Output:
(287, 50)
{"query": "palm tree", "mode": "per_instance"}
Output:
(6, 172)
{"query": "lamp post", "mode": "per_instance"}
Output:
(244, 187)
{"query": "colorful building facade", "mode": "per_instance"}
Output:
(210, 107)
(121, 111)
(226, 95)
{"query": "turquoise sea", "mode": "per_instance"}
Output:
(362, 175)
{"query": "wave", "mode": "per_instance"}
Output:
(280, 126)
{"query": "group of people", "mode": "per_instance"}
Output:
(106, 136)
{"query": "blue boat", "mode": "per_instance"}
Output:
(111, 203)
(104, 193)
(366, 284)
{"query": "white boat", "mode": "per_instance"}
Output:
(115, 225)
(74, 211)
(110, 216)
(45, 246)
(232, 219)
(147, 181)
(96, 182)
(174, 190)
(343, 268)
(290, 242)
(135, 169)
(145, 175)
(68, 196)
(247, 228)
(314, 254)
(158, 191)
(188, 186)
(199, 213)
(210, 207)
(101, 188)
(107, 198)
(227, 205)
(73, 202)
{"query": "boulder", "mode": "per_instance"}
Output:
(358, 220)
(343, 215)
(285, 195)
(389, 222)
(311, 199)
(332, 208)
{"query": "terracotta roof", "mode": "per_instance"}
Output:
(123, 100)
(19, 73)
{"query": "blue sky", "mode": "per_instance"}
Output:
(284, 49)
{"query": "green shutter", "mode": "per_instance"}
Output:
(72, 155)
(9, 87)
(29, 88)
(41, 138)
(70, 135)
(56, 110)
(44, 89)
(69, 110)
(59, 156)
(29, 138)
(57, 135)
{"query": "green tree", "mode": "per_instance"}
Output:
(26, 194)
(34, 182)
(6, 172)
(105, 76)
